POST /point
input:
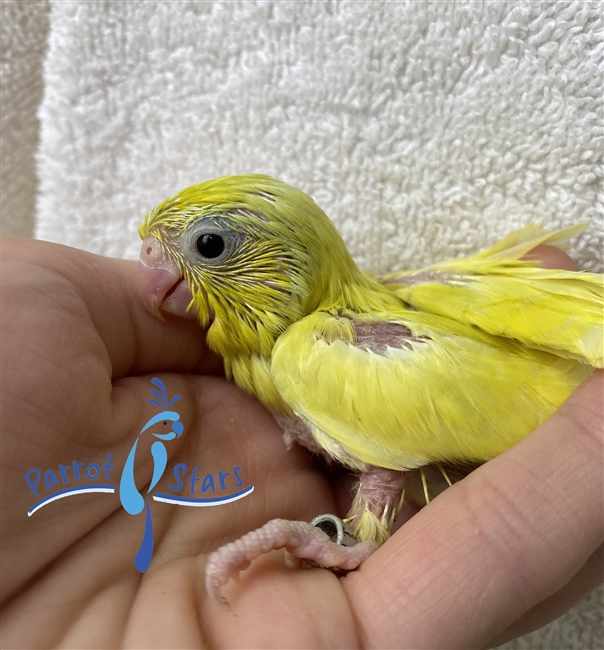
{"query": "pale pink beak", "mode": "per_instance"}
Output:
(160, 284)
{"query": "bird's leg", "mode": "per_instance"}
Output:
(325, 541)
(377, 503)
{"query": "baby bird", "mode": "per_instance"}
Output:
(454, 363)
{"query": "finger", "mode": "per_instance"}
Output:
(80, 290)
(551, 258)
(588, 578)
(494, 545)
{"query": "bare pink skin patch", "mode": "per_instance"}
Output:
(379, 336)
(296, 430)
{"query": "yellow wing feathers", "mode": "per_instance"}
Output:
(494, 345)
(551, 310)
(519, 242)
(446, 392)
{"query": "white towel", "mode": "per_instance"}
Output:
(24, 31)
(425, 129)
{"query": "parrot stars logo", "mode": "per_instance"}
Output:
(165, 426)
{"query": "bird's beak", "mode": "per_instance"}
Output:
(160, 283)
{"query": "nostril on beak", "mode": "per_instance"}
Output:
(152, 254)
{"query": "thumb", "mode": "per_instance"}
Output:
(100, 294)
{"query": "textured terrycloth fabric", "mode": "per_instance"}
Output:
(24, 31)
(425, 130)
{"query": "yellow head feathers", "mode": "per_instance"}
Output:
(258, 255)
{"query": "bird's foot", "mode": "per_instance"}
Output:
(325, 542)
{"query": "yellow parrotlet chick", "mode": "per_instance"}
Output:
(455, 363)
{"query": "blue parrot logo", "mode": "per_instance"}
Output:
(131, 499)
(188, 489)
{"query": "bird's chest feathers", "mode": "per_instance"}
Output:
(253, 374)
(246, 348)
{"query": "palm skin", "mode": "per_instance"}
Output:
(509, 548)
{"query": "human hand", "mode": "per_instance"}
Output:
(507, 549)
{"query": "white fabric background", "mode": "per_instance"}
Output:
(24, 31)
(424, 129)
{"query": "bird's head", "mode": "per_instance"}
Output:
(249, 254)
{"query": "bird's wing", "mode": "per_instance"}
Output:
(403, 389)
(557, 311)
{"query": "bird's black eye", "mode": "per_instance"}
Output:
(210, 245)
(210, 242)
